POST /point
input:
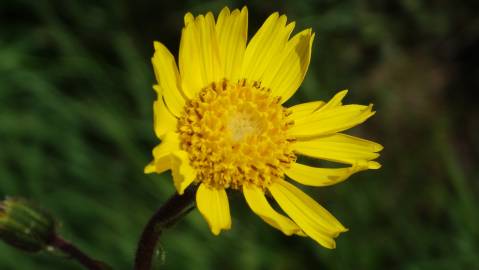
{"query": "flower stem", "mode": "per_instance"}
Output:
(168, 214)
(75, 253)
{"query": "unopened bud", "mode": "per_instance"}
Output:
(25, 226)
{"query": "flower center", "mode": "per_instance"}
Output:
(244, 124)
(236, 134)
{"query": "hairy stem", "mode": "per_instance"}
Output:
(75, 253)
(168, 214)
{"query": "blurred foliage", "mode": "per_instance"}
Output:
(76, 131)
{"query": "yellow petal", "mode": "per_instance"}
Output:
(335, 101)
(163, 120)
(168, 78)
(232, 33)
(183, 173)
(161, 153)
(319, 177)
(199, 58)
(311, 217)
(325, 122)
(340, 148)
(213, 205)
(266, 46)
(189, 18)
(170, 143)
(257, 202)
(287, 72)
(304, 109)
(330, 118)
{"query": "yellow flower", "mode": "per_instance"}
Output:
(222, 124)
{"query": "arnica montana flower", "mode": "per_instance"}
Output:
(222, 125)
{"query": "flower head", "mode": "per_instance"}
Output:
(222, 124)
(25, 226)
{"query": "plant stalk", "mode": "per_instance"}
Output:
(168, 214)
(81, 257)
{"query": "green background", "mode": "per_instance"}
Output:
(76, 131)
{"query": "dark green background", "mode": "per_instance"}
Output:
(76, 131)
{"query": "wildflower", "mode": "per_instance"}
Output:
(222, 124)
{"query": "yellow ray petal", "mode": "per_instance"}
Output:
(288, 71)
(304, 109)
(257, 202)
(163, 120)
(319, 177)
(311, 217)
(335, 101)
(183, 173)
(161, 153)
(332, 117)
(213, 205)
(340, 148)
(264, 49)
(325, 122)
(151, 168)
(168, 78)
(232, 33)
(189, 18)
(199, 57)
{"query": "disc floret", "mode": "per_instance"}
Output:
(236, 133)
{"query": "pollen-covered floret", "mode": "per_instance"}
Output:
(236, 133)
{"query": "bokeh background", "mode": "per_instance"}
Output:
(76, 131)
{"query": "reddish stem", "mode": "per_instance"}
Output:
(167, 215)
(81, 257)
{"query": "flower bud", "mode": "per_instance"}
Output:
(25, 226)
